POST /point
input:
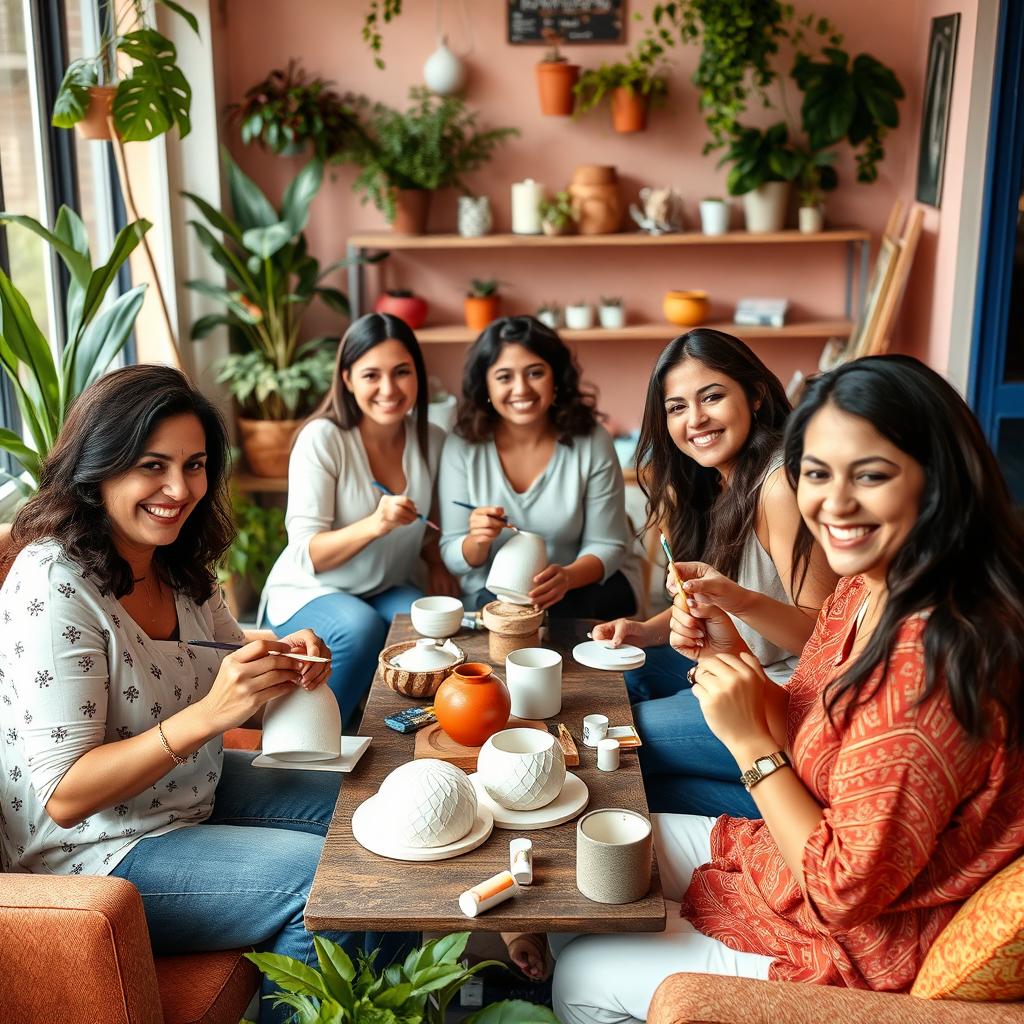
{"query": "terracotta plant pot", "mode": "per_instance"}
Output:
(101, 102)
(555, 83)
(687, 309)
(411, 208)
(481, 310)
(596, 199)
(267, 444)
(472, 704)
(410, 308)
(629, 110)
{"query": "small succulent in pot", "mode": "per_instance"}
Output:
(579, 316)
(550, 315)
(482, 303)
(557, 216)
(611, 312)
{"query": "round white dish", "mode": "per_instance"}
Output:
(372, 830)
(596, 654)
(570, 802)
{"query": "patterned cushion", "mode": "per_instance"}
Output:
(980, 954)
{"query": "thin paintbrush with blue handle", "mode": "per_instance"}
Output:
(391, 494)
(473, 508)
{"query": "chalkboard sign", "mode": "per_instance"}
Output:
(566, 21)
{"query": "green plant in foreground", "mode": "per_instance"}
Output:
(417, 990)
(95, 332)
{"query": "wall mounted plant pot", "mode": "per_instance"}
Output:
(685, 309)
(596, 199)
(410, 308)
(714, 216)
(411, 208)
(472, 704)
(765, 207)
(555, 84)
(481, 310)
(267, 444)
(101, 104)
(629, 110)
(811, 219)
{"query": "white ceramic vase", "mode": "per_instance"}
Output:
(304, 725)
(475, 218)
(579, 318)
(522, 769)
(714, 216)
(533, 676)
(515, 564)
(765, 207)
(811, 219)
(444, 73)
(428, 803)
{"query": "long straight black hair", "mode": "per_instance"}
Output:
(339, 404)
(963, 560)
(703, 519)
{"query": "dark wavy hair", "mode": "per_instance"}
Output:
(705, 520)
(339, 404)
(105, 432)
(574, 412)
(963, 560)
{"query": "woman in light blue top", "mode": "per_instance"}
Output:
(528, 450)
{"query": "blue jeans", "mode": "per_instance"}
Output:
(241, 878)
(354, 629)
(686, 768)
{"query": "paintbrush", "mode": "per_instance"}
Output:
(217, 645)
(473, 508)
(385, 490)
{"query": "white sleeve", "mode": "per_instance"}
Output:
(219, 620)
(452, 486)
(605, 527)
(314, 468)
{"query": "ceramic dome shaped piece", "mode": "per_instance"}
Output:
(428, 803)
(426, 656)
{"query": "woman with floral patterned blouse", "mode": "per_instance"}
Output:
(112, 753)
(890, 772)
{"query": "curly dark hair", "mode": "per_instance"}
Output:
(102, 438)
(574, 412)
(962, 562)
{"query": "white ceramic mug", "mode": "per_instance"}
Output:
(595, 728)
(515, 564)
(533, 676)
(304, 725)
(522, 769)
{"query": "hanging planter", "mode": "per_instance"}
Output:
(629, 110)
(556, 82)
(98, 114)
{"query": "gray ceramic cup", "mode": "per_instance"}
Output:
(613, 855)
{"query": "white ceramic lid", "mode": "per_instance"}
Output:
(426, 656)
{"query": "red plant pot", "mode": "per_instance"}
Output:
(410, 308)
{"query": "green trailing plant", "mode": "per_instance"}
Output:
(288, 110)
(272, 280)
(95, 332)
(557, 211)
(642, 73)
(431, 145)
(483, 287)
(378, 11)
(414, 991)
(260, 536)
(154, 96)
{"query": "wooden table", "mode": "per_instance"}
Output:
(356, 890)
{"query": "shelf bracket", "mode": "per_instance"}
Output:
(355, 281)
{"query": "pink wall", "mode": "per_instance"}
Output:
(257, 35)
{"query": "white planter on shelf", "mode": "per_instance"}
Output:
(765, 207)
(550, 318)
(811, 219)
(714, 216)
(579, 318)
(612, 317)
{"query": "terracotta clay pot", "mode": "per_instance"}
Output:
(686, 309)
(411, 208)
(101, 102)
(555, 82)
(267, 444)
(629, 110)
(596, 199)
(472, 704)
(410, 308)
(481, 310)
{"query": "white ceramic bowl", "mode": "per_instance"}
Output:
(304, 725)
(428, 803)
(437, 617)
(515, 564)
(522, 769)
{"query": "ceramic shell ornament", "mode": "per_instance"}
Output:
(662, 213)
(429, 803)
(444, 72)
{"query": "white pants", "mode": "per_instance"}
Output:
(610, 979)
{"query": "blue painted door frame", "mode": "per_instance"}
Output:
(993, 398)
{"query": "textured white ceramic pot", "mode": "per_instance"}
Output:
(714, 216)
(533, 676)
(437, 617)
(444, 73)
(515, 564)
(522, 769)
(474, 217)
(428, 803)
(304, 725)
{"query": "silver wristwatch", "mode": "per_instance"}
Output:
(763, 767)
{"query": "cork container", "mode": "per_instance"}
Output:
(511, 627)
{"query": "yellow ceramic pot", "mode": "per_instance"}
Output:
(687, 309)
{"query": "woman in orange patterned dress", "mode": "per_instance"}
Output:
(890, 772)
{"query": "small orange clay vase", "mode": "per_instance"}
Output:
(472, 704)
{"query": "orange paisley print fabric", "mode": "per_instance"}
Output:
(917, 817)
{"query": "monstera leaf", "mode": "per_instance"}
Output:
(157, 95)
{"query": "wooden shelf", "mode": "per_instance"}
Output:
(387, 240)
(459, 334)
(250, 483)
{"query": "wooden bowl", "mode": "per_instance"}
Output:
(418, 685)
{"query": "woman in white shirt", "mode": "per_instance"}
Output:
(112, 723)
(353, 547)
(528, 450)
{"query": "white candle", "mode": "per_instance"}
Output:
(526, 197)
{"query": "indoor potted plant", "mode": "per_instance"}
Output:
(579, 316)
(714, 216)
(405, 304)
(482, 303)
(814, 177)
(271, 282)
(611, 313)
(404, 156)
(556, 214)
(260, 536)
(556, 82)
(763, 165)
(550, 315)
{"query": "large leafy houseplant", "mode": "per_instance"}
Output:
(417, 990)
(758, 157)
(153, 96)
(95, 332)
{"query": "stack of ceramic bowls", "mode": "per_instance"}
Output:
(437, 617)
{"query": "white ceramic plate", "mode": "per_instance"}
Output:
(597, 654)
(564, 807)
(369, 827)
(352, 748)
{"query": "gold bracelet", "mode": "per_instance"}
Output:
(179, 761)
